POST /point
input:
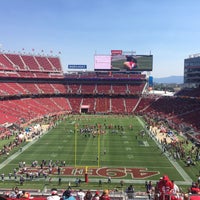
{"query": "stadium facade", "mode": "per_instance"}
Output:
(34, 87)
(192, 70)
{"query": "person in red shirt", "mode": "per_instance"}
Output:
(105, 195)
(194, 189)
(165, 187)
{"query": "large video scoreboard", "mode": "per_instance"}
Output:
(123, 61)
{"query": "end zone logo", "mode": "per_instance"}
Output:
(134, 173)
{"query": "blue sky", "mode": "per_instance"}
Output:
(170, 30)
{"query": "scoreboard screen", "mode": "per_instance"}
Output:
(132, 62)
(119, 61)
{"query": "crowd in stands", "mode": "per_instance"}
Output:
(174, 146)
(25, 102)
(20, 135)
(163, 189)
(189, 92)
(178, 110)
(181, 114)
(68, 194)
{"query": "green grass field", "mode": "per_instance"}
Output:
(114, 145)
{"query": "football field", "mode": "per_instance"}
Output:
(99, 145)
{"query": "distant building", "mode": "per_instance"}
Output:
(192, 70)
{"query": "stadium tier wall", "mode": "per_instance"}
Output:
(33, 87)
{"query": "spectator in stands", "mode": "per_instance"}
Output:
(165, 187)
(130, 192)
(67, 195)
(15, 193)
(54, 195)
(25, 195)
(149, 188)
(96, 196)
(194, 189)
(105, 195)
(175, 191)
(80, 195)
(157, 192)
(198, 180)
(88, 195)
(175, 188)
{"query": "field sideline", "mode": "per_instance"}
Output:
(114, 146)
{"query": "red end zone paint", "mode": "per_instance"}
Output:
(134, 173)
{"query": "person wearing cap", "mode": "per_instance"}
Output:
(165, 187)
(54, 195)
(96, 196)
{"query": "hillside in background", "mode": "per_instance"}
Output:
(169, 80)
